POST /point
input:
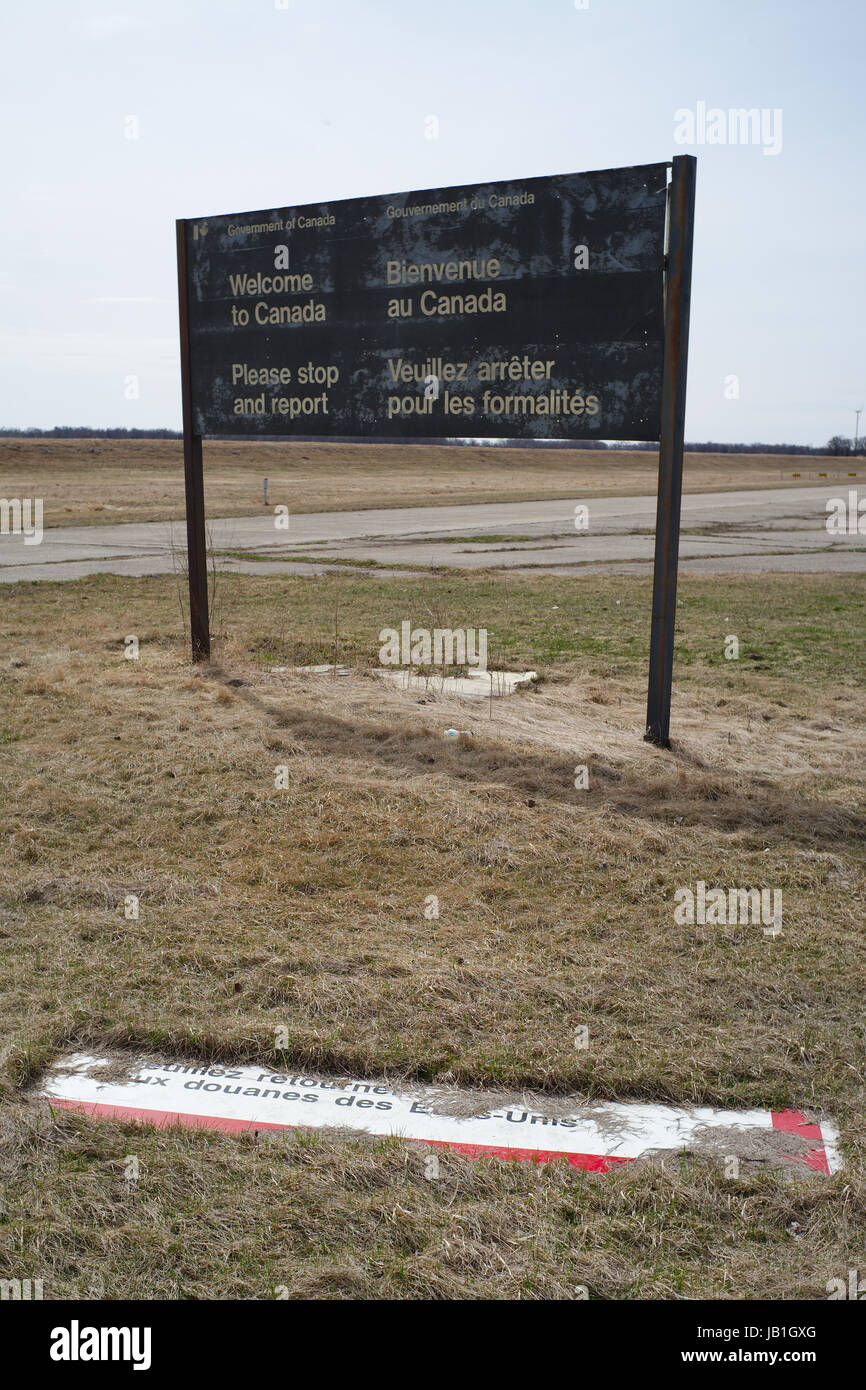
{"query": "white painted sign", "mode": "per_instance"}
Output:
(598, 1136)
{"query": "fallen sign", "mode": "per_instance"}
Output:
(506, 1126)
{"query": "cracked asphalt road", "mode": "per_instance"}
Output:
(775, 529)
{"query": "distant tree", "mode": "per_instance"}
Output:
(87, 432)
(839, 445)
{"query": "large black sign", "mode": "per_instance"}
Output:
(505, 310)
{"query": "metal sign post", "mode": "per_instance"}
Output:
(678, 288)
(196, 544)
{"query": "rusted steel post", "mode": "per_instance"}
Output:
(196, 544)
(678, 288)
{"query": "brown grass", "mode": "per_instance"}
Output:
(304, 909)
(87, 481)
(308, 1217)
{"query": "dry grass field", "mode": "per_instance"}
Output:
(87, 481)
(303, 909)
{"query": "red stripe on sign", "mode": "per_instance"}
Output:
(164, 1119)
(596, 1163)
(794, 1122)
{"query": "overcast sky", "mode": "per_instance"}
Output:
(115, 121)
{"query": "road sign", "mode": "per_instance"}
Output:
(529, 309)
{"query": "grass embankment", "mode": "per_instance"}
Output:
(107, 481)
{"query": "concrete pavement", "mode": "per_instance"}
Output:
(724, 532)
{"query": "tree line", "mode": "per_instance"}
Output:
(838, 447)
